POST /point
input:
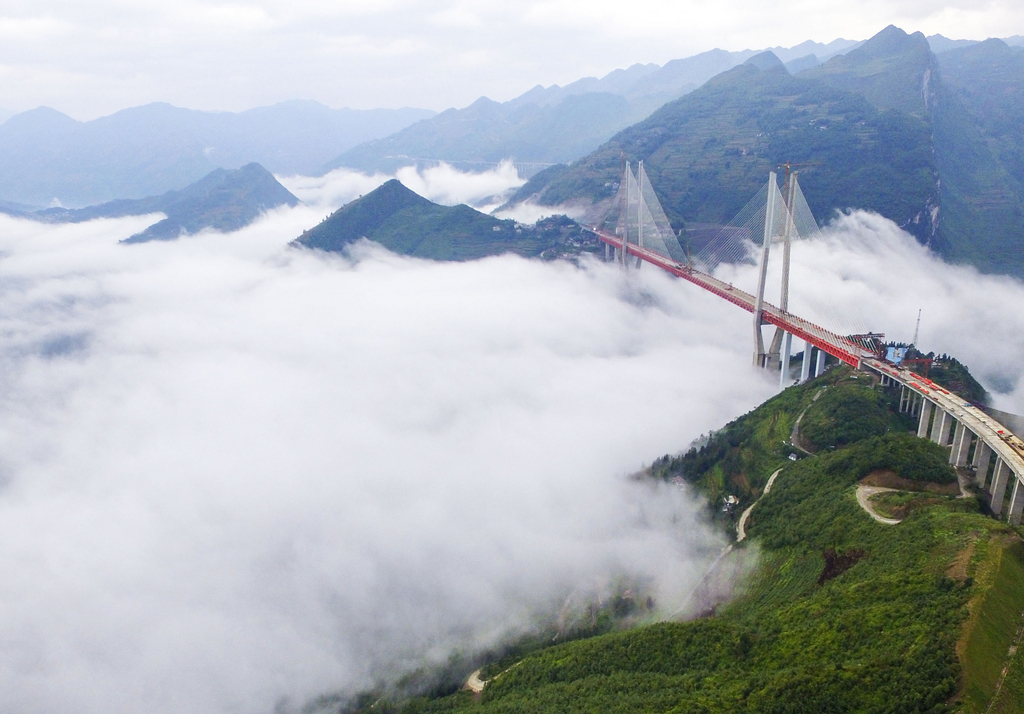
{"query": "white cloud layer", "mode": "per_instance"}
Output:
(235, 473)
(442, 184)
(867, 264)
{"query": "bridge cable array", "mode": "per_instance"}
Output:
(741, 242)
(637, 215)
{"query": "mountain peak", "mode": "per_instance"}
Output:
(892, 70)
(766, 60)
(405, 222)
(41, 119)
(222, 200)
(890, 42)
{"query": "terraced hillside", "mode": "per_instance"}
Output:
(932, 142)
(842, 613)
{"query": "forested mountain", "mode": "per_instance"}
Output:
(880, 128)
(406, 223)
(143, 151)
(222, 200)
(979, 132)
(842, 613)
(557, 124)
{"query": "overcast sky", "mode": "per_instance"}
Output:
(93, 58)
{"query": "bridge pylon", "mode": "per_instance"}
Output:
(636, 227)
(771, 209)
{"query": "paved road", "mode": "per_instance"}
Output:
(794, 437)
(475, 684)
(741, 527)
(864, 494)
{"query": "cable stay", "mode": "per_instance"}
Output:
(636, 225)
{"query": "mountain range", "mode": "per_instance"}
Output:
(404, 222)
(46, 156)
(932, 142)
(925, 131)
(560, 124)
(223, 200)
(557, 124)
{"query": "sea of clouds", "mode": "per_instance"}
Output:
(235, 475)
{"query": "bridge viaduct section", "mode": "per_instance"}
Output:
(944, 417)
(994, 453)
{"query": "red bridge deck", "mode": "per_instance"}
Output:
(840, 347)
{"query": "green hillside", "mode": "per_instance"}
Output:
(406, 223)
(933, 143)
(487, 131)
(710, 151)
(222, 200)
(842, 613)
(980, 154)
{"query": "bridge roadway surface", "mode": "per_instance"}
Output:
(1001, 440)
(1006, 445)
(837, 346)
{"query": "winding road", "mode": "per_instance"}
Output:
(864, 494)
(741, 527)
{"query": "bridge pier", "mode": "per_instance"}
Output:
(805, 366)
(819, 367)
(961, 443)
(982, 457)
(975, 440)
(926, 418)
(1016, 502)
(787, 346)
(940, 429)
(998, 490)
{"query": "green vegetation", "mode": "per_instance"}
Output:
(487, 131)
(845, 414)
(932, 143)
(222, 200)
(955, 377)
(994, 626)
(409, 224)
(900, 504)
(842, 614)
(980, 153)
(708, 152)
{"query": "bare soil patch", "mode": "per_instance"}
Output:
(838, 563)
(958, 568)
(889, 479)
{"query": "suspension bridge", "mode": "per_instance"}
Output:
(636, 231)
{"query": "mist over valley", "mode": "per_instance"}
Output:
(309, 409)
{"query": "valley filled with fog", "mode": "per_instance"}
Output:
(237, 474)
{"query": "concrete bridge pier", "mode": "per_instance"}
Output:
(1016, 502)
(926, 417)
(787, 346)
(819, 367)
(805, 366)
(940, 429)
(982, 457)
(961, 444)
(998, 490)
